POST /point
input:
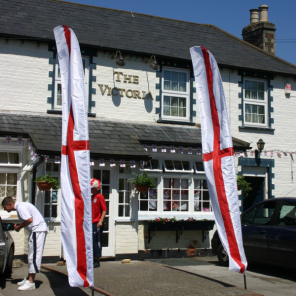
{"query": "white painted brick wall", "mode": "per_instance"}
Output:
(24, 76)
(18, 238)
(126, 238)
(167, 239)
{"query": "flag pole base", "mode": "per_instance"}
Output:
(245, 280)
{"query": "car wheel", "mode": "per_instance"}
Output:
(8, 268)
(222, 256)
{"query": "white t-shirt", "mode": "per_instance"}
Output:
(25, 211)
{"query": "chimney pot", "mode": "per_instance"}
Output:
(263, 13)
(254, 15)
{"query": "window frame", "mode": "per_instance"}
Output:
(12, 165)
(50, 204)
(172, 93)
(148, 199)
(124, 218)
(177, 171)
(256, 103)
(201, 200)
(197, 172)
(57, 80)
(160, 170)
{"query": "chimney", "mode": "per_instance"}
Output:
(260, 33)
(254, 15)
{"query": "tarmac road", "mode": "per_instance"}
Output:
(47, 284)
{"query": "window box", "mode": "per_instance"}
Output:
(179, 226)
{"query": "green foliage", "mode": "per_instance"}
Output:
(143, 180)
(167, 220)
(244, 186)
(49, 179)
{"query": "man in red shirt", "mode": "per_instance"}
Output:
(99, 210)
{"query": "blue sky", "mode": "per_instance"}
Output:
(229, 15)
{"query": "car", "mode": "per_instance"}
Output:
(6, 249)
(269, 233)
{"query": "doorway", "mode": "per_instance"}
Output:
(257, 194)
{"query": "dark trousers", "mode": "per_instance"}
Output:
(97, 240)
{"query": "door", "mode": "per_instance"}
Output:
(257, 194)
(282, 239)
(256, 230)
(104, 175)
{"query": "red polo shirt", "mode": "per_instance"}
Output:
(98, 207)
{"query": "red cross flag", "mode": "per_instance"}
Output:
(112, 162)
(57, 159)
(92, 162)
(76, 213)
(181, 149)
(189, 150)
(154, 148)
(218, 157)
(19, 140)
(172, 149)
(122, 163)
(8, 139)
(198, 151)
(102, 162)
(145, 147)
(132, 164)
(163, 148)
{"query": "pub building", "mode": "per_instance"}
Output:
(143, 117)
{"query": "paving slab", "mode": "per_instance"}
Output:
(47, 284)
(264, 279)
(143, 278)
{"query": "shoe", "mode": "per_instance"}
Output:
(27, 286)
(96, 264)
(22, 282)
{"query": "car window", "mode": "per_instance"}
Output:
(247, 218)
(287, 215)
(264, 213)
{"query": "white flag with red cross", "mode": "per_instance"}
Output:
(19, 140)
(8, 139)
(76, 213)
(218, 157)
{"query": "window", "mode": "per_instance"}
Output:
(255, 102)
(199, 167)
(175, 194)
(124, 198)
(264, 213)
(9, 158)
(58, 83)
(287, 216)
(183, 166)
(8, 185)
(51, 204)
(201, 196)
(148, 200)
(125, 170)
(152, 165)
(175, 94)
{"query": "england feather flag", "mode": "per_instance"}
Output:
(76, 213)
(218, 157)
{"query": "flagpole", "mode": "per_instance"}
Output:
(245, 280)
(92, 291)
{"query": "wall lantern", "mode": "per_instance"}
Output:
(260, 146)
(120, 61)
(153, 63)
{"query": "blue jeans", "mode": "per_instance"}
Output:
(97, 240)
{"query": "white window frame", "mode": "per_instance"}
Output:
(148, 198)
(154, 170)
(201, 197)
(172, 93)
(128, 218)
(12, 165)
(57, 81)
(256, 102)
(55, 174)
(195, 168)
(178, 171)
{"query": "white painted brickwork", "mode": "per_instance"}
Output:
(18, 238)
(167, 239)
(126, 238)
(24, 76)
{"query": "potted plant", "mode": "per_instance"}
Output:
(142, 182)
(45, 183)
(243, 185)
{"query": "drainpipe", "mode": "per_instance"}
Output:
(34, 177)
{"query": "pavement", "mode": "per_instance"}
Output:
(162, 277)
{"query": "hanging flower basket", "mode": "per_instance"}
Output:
(141, 188)
(44, 186)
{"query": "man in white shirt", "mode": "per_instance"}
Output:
(32, 220)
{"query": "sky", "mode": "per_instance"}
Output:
(229, 15)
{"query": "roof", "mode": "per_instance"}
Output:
(133, 32)
(106, 138)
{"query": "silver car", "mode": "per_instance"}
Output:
(6, 248)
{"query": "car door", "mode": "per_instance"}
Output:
(256, 228)
(282, 238)
(2, 248)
